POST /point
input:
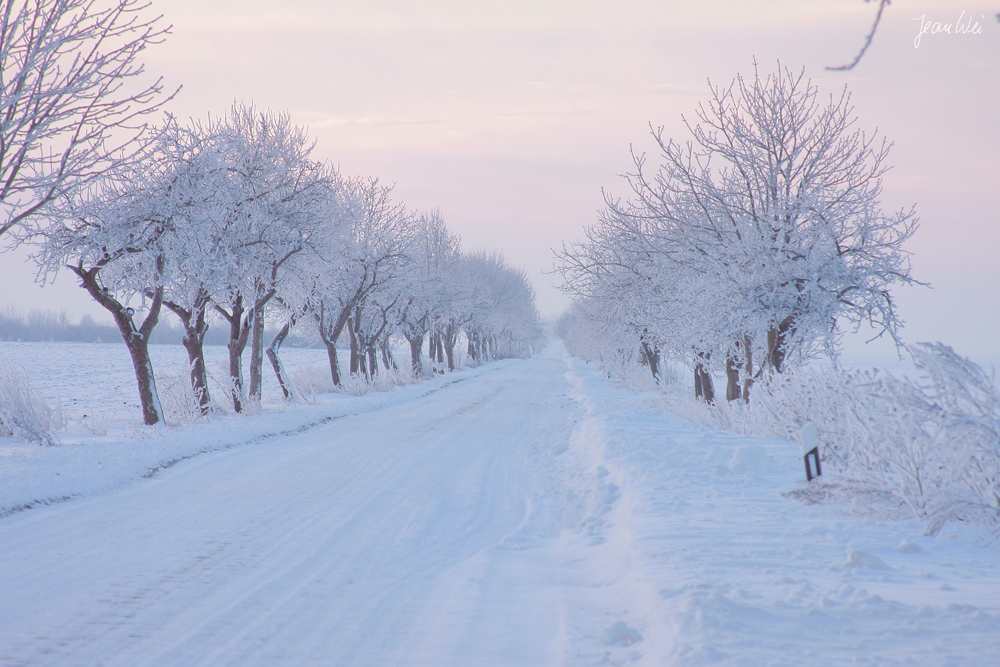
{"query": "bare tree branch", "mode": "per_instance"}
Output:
(73, 99)
(868, 40)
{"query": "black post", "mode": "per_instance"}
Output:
(814, 454)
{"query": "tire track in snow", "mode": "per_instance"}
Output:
(631, 630)
(223, 440)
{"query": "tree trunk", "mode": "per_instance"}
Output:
(703, 387)
(237, 343)
(239, 332)
(748, 369)
(136, 340)
(329, 336)
(353, 364)
(362, 363)
(331, 353)
(194, 343)
(372, 360)
(652, 359)
(733, 392)
(138, 348)
(279, 370)
(777, 342)
(356, 361)
(195, 327)
(449, 351)
(257, 356)
(436, 352)
(449, 346)
(387, 359)
(708, 387)
(416, 344)
(439, 351)
(360, 348)
(329, 339)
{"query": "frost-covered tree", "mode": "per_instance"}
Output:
(188, 165)
(202, 239)
(647, 305)
(116, 240)
(383, 234)
(755, 236)
(366, 273)
(614, 345)
(429, 291)
(279, 194)
(185, 191)
(369, 328)
(73, 96)
(239, 199)
(497, 312)
(314, 272)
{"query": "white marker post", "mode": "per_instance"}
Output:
(809, 441)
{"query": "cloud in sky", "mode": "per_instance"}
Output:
(511, 116)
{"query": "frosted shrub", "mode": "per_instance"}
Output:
(928, 448)
(840, 403)
(312, 380)
(384, 380)
(621, 365)
(177, 398)
(953, 420)
(23, 414)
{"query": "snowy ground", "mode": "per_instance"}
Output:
(522, 513)
(94, 384)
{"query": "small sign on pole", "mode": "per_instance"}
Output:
(809, 441)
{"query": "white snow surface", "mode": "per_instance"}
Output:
(525, 512)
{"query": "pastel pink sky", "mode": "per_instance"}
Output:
(511, 116)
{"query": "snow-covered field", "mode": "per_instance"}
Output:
(94, 382)
(521, 513)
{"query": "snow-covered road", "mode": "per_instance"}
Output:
(524, 513)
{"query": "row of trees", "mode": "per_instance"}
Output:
(233, 217)
(751, 241)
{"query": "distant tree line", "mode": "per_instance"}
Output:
(50, 325)
(39, 325)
